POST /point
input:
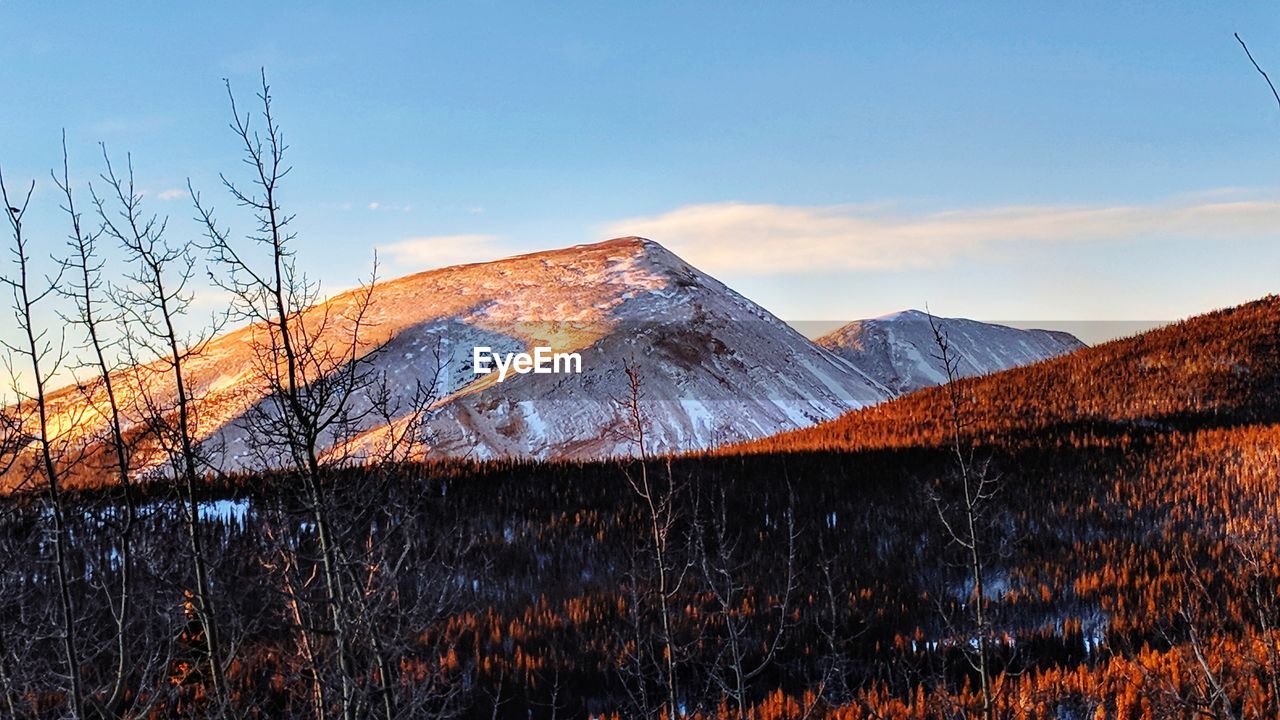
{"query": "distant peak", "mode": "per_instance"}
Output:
(909, 314)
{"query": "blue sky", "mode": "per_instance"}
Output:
(1015, 161)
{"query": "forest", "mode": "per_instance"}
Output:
(1090, 537)
(1132, 574)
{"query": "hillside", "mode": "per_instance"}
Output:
(1221, 368)
(715, 368)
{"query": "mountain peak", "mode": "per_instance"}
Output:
(909, 314)
(626, 244)
(639, 247)
(627, 240)
(613, 267)
(614, 248)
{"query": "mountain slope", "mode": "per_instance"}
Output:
(714, 367)
(899, 350)
(1217, 369)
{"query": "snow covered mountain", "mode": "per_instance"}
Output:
(899, 350)
(714, 367)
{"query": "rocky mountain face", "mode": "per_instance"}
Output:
(900, 352)
(712, 366)
(709, 366)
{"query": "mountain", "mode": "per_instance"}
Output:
(1220, 369)
(713, 367)
(899, 350)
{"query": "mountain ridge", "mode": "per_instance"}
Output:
(899, 349)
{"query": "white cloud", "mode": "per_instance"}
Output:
(171, 194)
(374, 205)
(758, 238)
(425, 253)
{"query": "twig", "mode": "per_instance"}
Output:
(1261, 72)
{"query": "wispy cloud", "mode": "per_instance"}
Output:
(171, 194)
(380, 206)
(757, 238)
(425, 253)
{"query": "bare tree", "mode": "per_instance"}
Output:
(14, 592)
(382, 539)
(658, 498)
(831, 685)
(83, 269)
(965, 519)
(156, 300)
(313, 360)
(750, 645)
(1229, 620)
(1252, 559)
(44, 358)
(1215, 660)
(555, 704)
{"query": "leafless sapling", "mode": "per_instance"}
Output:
(83, 267)
(659, 498)
(156, 299)
(311, 359)
(752, 638)
(44, 358)
(965, 519)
